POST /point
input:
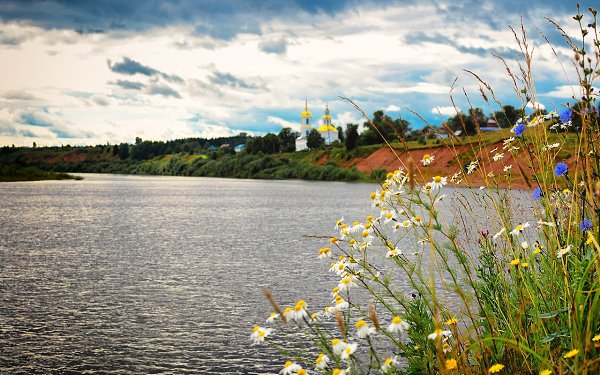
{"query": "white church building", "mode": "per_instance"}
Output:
(327, 130)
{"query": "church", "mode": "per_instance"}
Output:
(327, 130)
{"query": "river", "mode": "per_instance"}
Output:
(134, 274)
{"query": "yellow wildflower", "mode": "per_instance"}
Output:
(546, 372)
(451, 364)
(515, 262)
(571, 353)
(524, 264)
(451, 321)
(496, 368)
(596, 338)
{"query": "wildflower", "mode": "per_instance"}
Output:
(389, 217)
(546, 223)
(546, 372)
(537, 193)
(438, 182)
(334, 240)
(571, 353)
(518, 129)
(472, 166)
(388, 364)
(259, 333)
(451, 321)
(339, 222)
(340, 304)
(515, 262)
(551, 146)
(451, 364)
(337, 371)
(272, 317)
(338, 346)
(586, 224)
(363, 330)
(524, 245)
(349, 350)
(427, 159)
(406, 224)
(496, 368)
(596, 338)
(507, 168)
(346, 283)
(322, 361)
(289, 368)
(300, 310)
(325, 252)
(519, 229)
(439, 333)
(524, 264)
(491, 175)
(564, 251)
(416, 220)
(314, 317)
(398, 325)
(561, 169)
(392, 251)
(500, 232)
(565, 115)
(497, 156)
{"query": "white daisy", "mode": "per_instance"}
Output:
(398, 325)
(439, 333)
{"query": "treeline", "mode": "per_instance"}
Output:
(242, 165)
(14, 172)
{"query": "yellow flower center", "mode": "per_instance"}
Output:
(301, 372)
(365, 233)
(288, 364)
(426, 156)
(361, 323)
(389, 175)
(437, 179)
(373, 195)
(397, 320)
(335, 342)
(451, 364)
(256, 328)
(389, 215)
(417, 218)
(352, 241)
(370, 218)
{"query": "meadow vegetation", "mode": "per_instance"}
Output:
(474, 280)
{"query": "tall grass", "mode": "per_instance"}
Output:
(485, 287)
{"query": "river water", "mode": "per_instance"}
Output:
(132, 274)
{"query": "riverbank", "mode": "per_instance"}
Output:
(14, 173)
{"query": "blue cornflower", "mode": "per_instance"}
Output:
(586, 224)
(519, 129)
(537, 193)
(561, 169)
(565, 115)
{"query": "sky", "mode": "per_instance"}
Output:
(93, 72)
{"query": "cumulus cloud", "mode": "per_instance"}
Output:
(128, 85)
(536, 106)
(228, 79)
(445, 110)
(421, 87)
(157, 88)
(131, 67)
(392, 108)
(19, 95)
(284, 123)
(101, 100)
(276, 46)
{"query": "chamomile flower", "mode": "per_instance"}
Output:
(338, 346)
(273, 317)
(427, 159)
(392, 250)
(363, 330)
(258, 334)
(339, 222)
(438, 182)
(398, 325)
(560, 253)
(439, 333)
(507, 168)
(519, 229)
(322, 361)
(290, 368)
(497, 156)
(325, 252)
(349, 350)
(346, 283)
(472, 166)
(389, 216)
(337, 371)
(389, 363)
(500, 232)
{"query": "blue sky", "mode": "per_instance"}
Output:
(92, 72)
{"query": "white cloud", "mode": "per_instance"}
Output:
(392, 108)
(284, 123)
(445, 110)
(421, 87)
(536, 105)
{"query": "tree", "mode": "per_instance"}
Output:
(270, 144)
(351, 136)
(508, 116)
(138, 140)
(34, 145)
(340, 134)
(123, 151)
(115, 150)
(468, 123)
(287, 140)
(314, 140)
